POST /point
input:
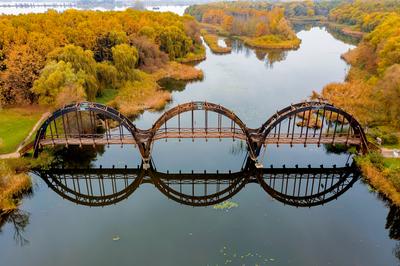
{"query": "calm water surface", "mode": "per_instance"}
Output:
(150, 229)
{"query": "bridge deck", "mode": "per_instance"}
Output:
(294, 139)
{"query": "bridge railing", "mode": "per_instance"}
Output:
(303, 123)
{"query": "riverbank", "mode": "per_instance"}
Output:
(345, 29)
(263, 28)
(17, 124)
(383, 174)
(212, 42)
(271, 42)
(145, 93)
(15, 180)
(13, 184)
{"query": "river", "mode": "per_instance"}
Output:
(149, 229)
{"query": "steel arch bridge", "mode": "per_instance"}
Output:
(305, 123)
(300, 187)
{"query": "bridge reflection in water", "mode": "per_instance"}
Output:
(300, 187)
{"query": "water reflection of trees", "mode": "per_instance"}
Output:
(269, 56)
(306, 26)
(172, 85)
(337, 34)
(19, 220)
(393, 222)
(393, 226)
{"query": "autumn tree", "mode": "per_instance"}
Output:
(104, 43)
(150, 57)
(83, 63)
(107, 76)
(88, 41)
(125, 59)
(174, 42)
(23, 66)
(59, 84)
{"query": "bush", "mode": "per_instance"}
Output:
(390, 139)
(394, 177)
(376, 159)
(150, 56)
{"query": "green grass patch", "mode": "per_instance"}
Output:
(15, 126)
(107, 96)
(392, 163)
(390, 136)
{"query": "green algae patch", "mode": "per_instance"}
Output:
(226, 205)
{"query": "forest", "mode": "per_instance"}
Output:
(259, 28)
(371, 90)
(54, 58)
(373, 81)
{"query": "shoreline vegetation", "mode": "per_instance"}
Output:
(212, 41)
(146, 94)
(256, 27)
(117, 57)
(15, 181)
(370, 91)
(114, 57)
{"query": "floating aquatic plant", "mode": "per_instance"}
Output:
(226, 205)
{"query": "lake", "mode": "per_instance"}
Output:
(147, 228)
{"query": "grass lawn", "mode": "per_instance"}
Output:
(392, 146)
(392, 163)
(108, 95)
(15, 125)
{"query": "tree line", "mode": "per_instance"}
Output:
(372, 87)
(246, 19)
(52, 58)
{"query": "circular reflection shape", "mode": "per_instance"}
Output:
(92, 187)
(307, 187)
(200, 189)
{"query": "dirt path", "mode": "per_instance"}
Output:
(390, 153)
(16, 154)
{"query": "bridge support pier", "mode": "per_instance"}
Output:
(146, 164)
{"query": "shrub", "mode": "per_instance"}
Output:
(390, 139)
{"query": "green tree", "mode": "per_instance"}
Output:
(59, 84)
(107, 75)
(125, 60)
(83, 63)
(174, 42)
(80, 59)
(104, 43)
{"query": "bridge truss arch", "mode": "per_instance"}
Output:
(303, 123)
(77, 124)
(312, 123)
(235, 130)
